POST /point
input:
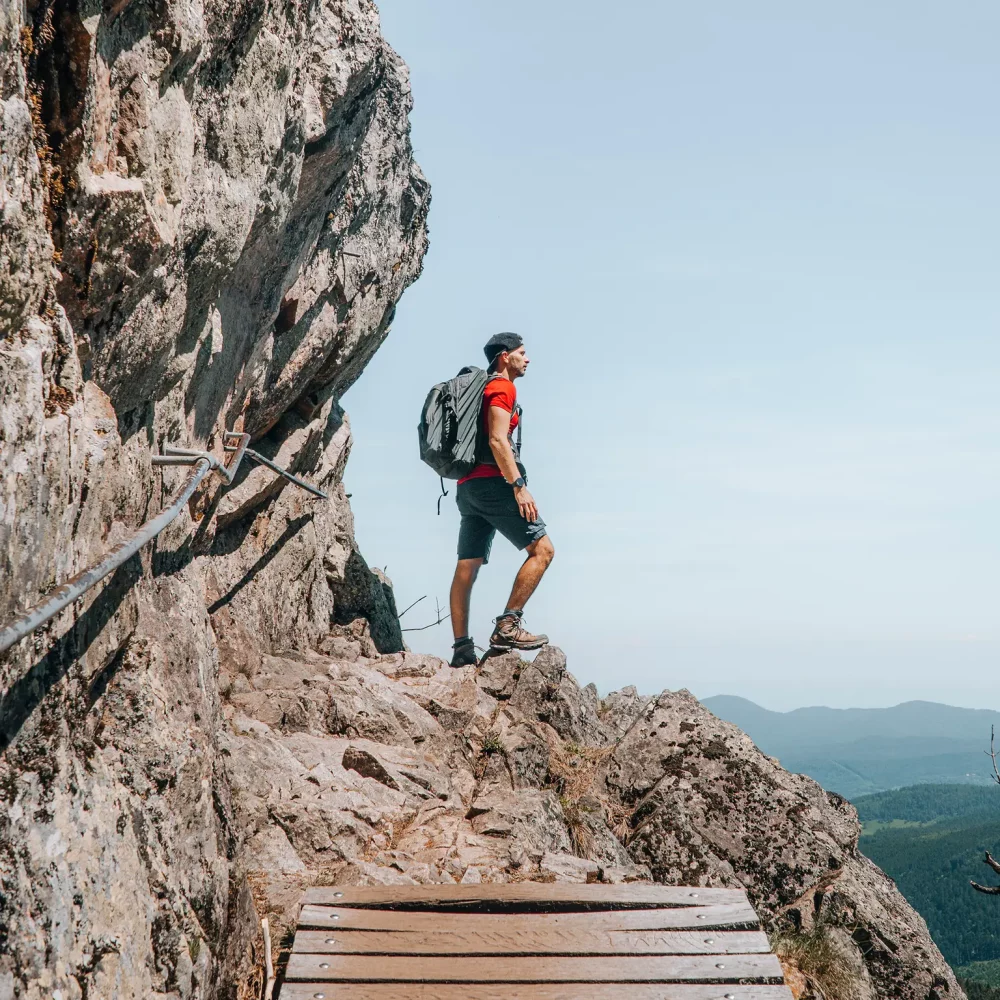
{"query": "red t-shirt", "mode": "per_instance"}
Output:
(498, 392)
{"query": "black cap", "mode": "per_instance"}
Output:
(501, 342)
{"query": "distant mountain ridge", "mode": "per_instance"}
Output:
(859, 751)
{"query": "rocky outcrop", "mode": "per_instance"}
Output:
(514, 772)
(209, 215)
(208, 212)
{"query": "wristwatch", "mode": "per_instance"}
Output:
(519, 483)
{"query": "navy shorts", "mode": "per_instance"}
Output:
(487, 506)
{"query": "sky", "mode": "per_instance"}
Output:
(753, 251)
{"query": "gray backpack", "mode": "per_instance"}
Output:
(452, 442)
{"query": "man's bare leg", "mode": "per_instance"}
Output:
(461, 594)
(532, 570)
(510, 633)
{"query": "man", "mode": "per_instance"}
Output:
(494, 497)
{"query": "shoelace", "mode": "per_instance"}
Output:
(519, 629)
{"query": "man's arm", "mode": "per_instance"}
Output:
(500, 446)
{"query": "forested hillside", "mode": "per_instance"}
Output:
(926, 803)
(981, 980)
(931, 839)
(977, 990)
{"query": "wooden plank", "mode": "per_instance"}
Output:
(455, 969)
(738, 915)
(534, 991)
(524, 895)
(503, 941)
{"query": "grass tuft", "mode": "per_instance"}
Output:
(812, 959)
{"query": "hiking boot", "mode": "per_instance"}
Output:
(464, 654)
(511, 634)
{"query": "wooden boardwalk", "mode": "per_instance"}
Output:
(530, 941)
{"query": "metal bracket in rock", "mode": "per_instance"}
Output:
(202, 463)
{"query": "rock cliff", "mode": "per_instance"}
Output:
(348, 766)
(208, 212)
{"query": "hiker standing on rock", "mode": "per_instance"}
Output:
(494, 497)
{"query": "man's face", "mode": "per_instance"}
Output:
(517, 362)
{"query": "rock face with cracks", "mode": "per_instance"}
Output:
(514, 772)
(208, 212)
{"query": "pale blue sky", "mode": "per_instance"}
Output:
(753, 250)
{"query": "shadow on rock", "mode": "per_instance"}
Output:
(261, 564)
(27, 693)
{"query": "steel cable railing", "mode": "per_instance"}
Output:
(76, 587)
(203, 463)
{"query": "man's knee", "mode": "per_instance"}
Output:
(543, 549)
(468, 569)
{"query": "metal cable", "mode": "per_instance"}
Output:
(309, 488)
(201, 462)
(74, 588)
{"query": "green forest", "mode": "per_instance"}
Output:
(986, 976)
(976, 990)
(931, 839)
(926, 803)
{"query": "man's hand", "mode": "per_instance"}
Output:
(500, 446)
(526, 504)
